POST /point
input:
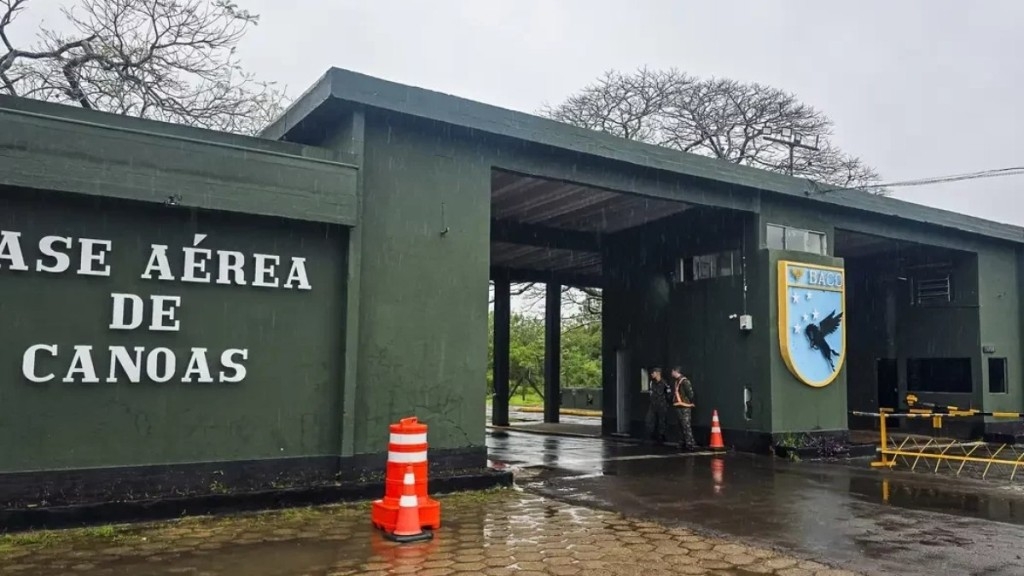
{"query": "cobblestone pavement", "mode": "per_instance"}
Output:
(491, 534)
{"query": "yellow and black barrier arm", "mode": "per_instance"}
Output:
(943, 411)
(929, 409)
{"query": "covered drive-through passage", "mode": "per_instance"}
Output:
(556, 233)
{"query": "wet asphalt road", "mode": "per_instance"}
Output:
(849, 514)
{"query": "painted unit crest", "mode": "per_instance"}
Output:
(812, 337)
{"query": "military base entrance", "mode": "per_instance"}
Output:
(183, 308)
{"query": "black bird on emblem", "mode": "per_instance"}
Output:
(816, 334)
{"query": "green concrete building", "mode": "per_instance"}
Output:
(184, 310)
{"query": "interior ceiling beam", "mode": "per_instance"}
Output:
(540, 276)
(541, 236)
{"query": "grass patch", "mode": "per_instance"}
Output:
(40, 539)
(476, 497)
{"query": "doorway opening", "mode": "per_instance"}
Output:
(902, 299)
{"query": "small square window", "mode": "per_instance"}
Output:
(704, 267)
(997, 375)
(816, 242)
(725, 264)
(796, 239)
(776, 237)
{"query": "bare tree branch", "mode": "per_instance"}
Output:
(714, 117)
(579, 305)
(168, 60)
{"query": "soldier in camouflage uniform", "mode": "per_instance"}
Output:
(657, 412)
(682, 405)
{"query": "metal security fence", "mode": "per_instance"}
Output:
(937, 454)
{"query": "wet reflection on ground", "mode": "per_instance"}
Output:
(492, 535)
(872, 520)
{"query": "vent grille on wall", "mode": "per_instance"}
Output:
(933, 290)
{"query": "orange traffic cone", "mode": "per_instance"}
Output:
(408, 527)
(716, 433)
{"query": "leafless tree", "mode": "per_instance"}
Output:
(714, 117)
(169, 60)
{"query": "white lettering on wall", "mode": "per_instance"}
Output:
(131, 366)
(92, 256)
(197, 267)
(28, 363)
(163, 313)
(297, 274)
(227, 360)
(160, 365)
(265, 265)
(197, 264)
(198, 366)
(158, 263)
(81, 364)
(229, 267)
(61, 261)
(10, 250)
(119, 322)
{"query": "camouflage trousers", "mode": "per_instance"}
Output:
(657, 418)
(685, 418)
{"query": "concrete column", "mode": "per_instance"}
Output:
(502, 325)
(552, 351)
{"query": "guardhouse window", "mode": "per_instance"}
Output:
(948, 375)
(796, 239)
(997, 375)
(707, 266)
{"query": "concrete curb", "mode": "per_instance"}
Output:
(856, 450)
(548, 433)
(23, 519)
(564, 412)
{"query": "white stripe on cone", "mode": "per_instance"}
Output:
(407, 457)
(408, 500)
(407, 439)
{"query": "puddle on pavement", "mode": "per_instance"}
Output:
(984, 503)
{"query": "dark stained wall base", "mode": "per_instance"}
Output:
(757, 442)
(1004, 432)
(144, 485)
(57, 517)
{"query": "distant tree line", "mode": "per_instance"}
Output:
(581, 352)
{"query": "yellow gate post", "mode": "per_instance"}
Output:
(883, 444)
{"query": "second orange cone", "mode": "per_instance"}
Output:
(408, 528)
(716, 433)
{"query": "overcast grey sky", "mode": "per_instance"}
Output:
(916, 88)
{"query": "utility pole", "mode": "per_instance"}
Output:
(789, 138)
